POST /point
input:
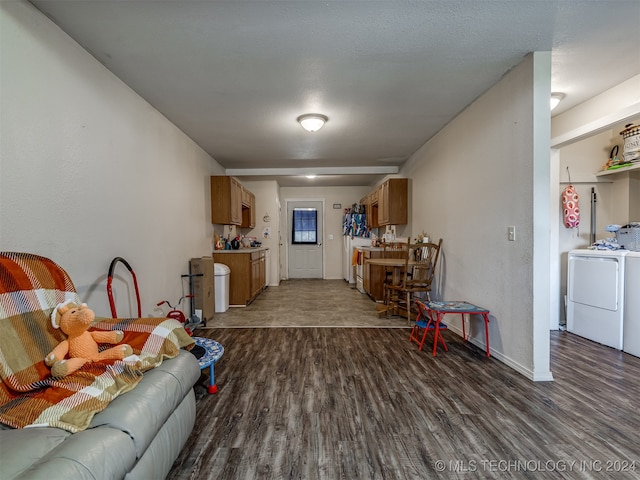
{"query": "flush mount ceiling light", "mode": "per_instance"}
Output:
(311, 176)
(312, 122)
(555, 99)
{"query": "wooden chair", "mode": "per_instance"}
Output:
(417, 277)
(392, 250)
(395, 276)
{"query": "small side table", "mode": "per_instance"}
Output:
(213, 353)
(461, 307)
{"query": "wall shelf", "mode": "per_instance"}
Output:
(635, 166)
(578, 182)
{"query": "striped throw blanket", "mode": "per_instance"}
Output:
(30, 287)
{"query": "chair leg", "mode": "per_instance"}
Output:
(408, 308)
(414, 336)
(387, 300)
(424, 335)
(444, 345)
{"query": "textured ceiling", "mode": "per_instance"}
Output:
(235, 75)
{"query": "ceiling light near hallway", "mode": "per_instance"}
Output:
(555, 99)
(312, 122)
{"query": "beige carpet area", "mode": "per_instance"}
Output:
(307, 303)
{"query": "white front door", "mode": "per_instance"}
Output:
(304, 238)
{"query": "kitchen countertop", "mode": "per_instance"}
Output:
(241, 250)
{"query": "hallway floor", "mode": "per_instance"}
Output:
(307, 303)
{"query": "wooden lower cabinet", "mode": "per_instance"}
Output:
(373, 276)
(248, 274)
(257, 273)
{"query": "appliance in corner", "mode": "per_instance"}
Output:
(360, 276)
(355, 234)
(596, 295)
(631, 335)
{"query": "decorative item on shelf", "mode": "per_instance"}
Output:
(614, 161)
(631, 148)
(613, 158)
(266, 218)
(423, 238)
(246, 242)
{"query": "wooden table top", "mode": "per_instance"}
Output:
(389, 262)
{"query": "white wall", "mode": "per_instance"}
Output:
(483, 172)
(90, 171)
(346, 196)
(267, 205)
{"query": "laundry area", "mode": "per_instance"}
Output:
(599, 235)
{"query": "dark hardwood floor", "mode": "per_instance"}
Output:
(356, 403)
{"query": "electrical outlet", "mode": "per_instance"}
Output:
(511, 232)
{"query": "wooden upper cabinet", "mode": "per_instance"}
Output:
(236, 204)
(226, 200)
(383, 204)
(248, 210)
(252, 209)
(372, 209)
(387, 204)
(392, 202)
(246, 197)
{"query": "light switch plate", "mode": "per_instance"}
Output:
(511, 232)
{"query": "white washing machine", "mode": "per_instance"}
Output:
(631, 342)
(595, 295)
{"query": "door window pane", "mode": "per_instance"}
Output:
(305, 225)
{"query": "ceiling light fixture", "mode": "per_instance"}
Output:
(311, 177)
(555, 99)
(312, 122)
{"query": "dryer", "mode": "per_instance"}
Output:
(595, 295)
(631, 342)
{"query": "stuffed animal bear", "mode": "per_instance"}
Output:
(81, 346)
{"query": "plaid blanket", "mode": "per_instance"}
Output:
(30, 287)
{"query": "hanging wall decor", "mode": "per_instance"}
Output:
(570, 205)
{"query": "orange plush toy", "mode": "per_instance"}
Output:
(81, 346)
